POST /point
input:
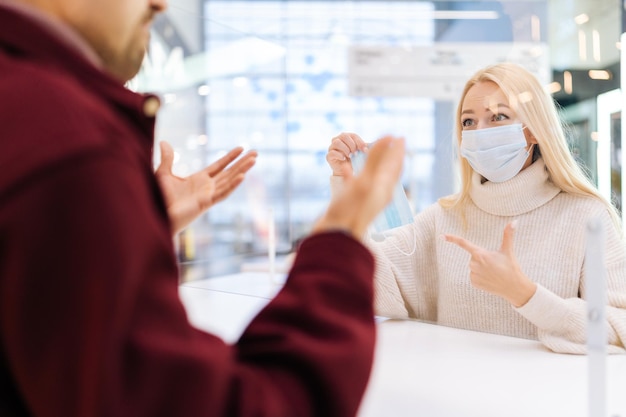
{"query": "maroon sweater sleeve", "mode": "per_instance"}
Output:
(91, 323)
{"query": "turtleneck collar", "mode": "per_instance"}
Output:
(525, 192)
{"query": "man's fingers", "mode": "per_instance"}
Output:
(223, 162)
(226, 181)
(374, 185)
(385, 159)
(226, 186)
(243, 164)
(167, 158)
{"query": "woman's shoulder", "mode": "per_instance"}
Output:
(437, 211)
(431, 210)
(576, 202)
(583, 209)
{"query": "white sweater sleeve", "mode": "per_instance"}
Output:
(561, 323)
(405, 277)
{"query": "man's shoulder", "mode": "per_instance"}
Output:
(47, 119)
(47, 106)
(30, 90)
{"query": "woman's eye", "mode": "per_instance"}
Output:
(500, 117)
(467, 122)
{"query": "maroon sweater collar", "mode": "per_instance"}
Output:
(55, 27)
(23, 38)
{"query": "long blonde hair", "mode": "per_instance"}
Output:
(537, 110)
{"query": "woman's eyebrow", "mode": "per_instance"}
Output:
(497, 106)
(494, 107)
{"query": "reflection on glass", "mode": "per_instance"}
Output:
(285, 77)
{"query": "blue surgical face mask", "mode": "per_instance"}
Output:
(397, 213)
(496, 153)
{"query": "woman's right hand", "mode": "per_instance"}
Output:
(339, 151)
(367, 193)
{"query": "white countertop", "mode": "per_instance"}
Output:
(428, 370)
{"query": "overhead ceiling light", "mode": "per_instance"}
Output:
(462, 14)
(525, 97)
(204, 90)
(554, 87)
(582, 45)
(595, 36)
(535, 28)
(202, 139)
(600, 74)
(169, 98)
(240, 81)
(581, 19)
(568, 85)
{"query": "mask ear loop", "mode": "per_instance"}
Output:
(400, 250)
(531, 150)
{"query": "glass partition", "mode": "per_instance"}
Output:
(285, 77)
(281, 77)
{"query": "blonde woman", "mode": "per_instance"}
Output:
(506, 254)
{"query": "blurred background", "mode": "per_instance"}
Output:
(285, 77)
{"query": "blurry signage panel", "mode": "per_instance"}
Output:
(438, 71)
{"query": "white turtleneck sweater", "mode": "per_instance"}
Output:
(419, 275)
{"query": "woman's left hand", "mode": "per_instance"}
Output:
(498, 272)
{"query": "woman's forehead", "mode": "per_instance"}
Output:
(485, 95)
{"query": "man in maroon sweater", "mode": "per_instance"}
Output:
(90, 319)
